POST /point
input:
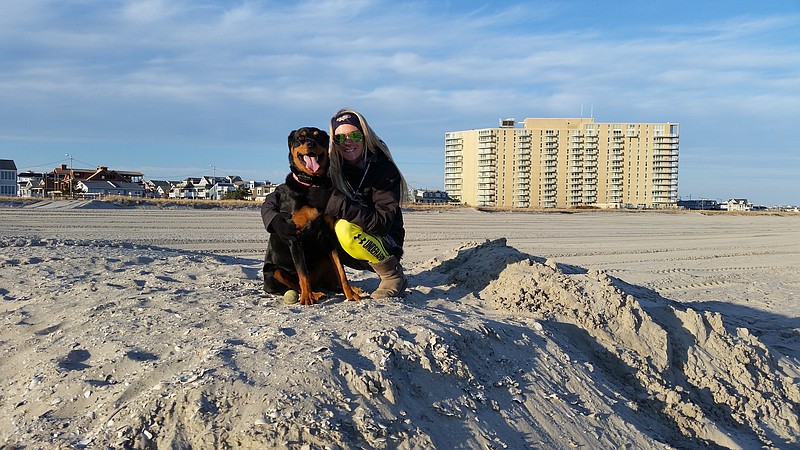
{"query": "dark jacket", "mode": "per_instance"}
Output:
(379, 190)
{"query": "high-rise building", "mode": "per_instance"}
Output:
(564, 163)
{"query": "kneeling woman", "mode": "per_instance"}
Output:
(369, 189)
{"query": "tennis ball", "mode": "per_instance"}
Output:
(291, 297)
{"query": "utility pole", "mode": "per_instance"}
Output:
(214, 187)
(71, 174)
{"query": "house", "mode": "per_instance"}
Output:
(210, 188)
(428, 197)
(217, 187)
(29, 183)
(699, 204)
(737, 204)
(218, 190)
(158, 188)
(93, 189)
(235, 180)
(8, 178)
(65, 178)
(259, 190)
(204, 185)
(186, 189)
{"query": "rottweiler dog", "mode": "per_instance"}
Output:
(311, 261)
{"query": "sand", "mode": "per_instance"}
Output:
(146, 328)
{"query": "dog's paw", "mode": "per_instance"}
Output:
(311, 298)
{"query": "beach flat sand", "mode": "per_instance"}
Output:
(147, 328)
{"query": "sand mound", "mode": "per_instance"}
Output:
(711, 381)
(115, 345)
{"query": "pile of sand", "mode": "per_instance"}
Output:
(108, 344)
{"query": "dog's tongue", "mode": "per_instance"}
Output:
(311, 163)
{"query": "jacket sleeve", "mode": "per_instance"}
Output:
(270, 208)
(375, 215)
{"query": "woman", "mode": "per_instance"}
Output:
(368, 190)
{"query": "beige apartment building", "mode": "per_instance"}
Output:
(564, 163)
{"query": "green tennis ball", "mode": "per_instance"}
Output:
(291, 297)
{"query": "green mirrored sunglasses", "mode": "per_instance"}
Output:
(355, 136)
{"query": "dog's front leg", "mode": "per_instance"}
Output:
(307, 296)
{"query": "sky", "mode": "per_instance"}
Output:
(180, 88)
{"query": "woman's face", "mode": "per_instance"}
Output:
(351, 151)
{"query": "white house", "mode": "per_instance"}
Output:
(737, 204)
(187, 188)
(218, 190)
(211, 188)
(159, 188)
(27, 183)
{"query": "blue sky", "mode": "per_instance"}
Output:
(173, 88)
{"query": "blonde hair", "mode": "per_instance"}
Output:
(372, 143)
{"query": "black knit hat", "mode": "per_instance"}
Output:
(346, 118)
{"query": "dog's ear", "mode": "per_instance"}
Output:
(292, 138)
(321, 137)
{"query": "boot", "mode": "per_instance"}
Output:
(393, 281)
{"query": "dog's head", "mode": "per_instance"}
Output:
(308, 151)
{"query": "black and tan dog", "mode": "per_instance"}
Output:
(311, 261)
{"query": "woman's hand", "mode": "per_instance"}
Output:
(284, 227)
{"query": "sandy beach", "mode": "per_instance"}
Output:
(146, 328)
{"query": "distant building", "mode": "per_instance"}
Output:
(158, 188)
(206, 188)
(428, 197)
(219, 189)
(564, 163)
(63, 179)
(186, 189)
(259, 190)
(8, 178)
(29, 184)
(737, 204)
(699, 204)
(96, 189)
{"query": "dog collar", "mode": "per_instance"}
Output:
(308, 183)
